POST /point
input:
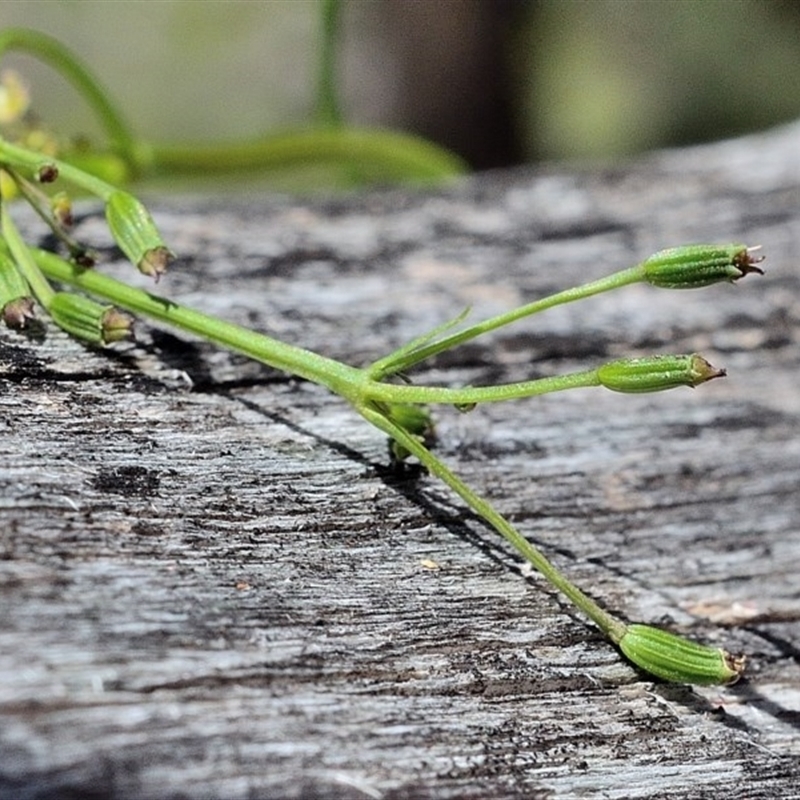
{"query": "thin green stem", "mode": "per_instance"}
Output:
(16, 156)
(41, 289)
(467, 395)
(395, 155)
(339, 378)
(66, 64)
(347, 381)
(40, 203)
(390, 155)
(402, 359)
(328, 112)
(611, 626)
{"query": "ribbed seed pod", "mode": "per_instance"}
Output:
(16, 304)
(694, 266)
(136, 234)
(85, 319)
(679, 660)
(656, 373)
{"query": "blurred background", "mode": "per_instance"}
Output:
(501, 82)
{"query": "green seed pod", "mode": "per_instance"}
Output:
(16, 304)
(694, 266)
(136, 234)
(679, 660)
(18, 313)
(655, 373)
(12, 283)
(61, 208)
(85, 319)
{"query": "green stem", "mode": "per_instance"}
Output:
(405, 393)
(404, 358)
(65, 63)
(349, 382)
(27, 159)
(41, 289)
(611, 626)
(396, 154)
(328, 113)
(339, 378)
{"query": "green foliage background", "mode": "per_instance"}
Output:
(585, 78)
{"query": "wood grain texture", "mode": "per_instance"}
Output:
(213, 584)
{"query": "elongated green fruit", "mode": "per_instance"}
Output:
(16, 304)
(676, 659)
(136, 234)
(88, 320)
(694, 266)
(12, 284)
(655, 373)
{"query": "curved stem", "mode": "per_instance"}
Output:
(395, 154)
(65, 63)
(392, 155)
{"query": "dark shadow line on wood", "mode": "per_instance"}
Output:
(404, 479)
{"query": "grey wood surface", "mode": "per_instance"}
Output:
(213, 584)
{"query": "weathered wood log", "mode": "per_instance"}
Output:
(214, 585)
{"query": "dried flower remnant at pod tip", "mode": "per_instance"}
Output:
(47, 173)
(16, 314)
(88, 320)
(136, 234)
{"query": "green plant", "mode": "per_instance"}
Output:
(396, 407)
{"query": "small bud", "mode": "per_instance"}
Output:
(655, 373)
(47, 173)
(14, 97)
(41, 141)
(61, 208)
(135, 232)
(83, 257)
(85, 319)
(679, 660)
(693, 266)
